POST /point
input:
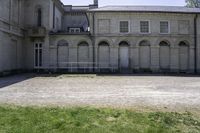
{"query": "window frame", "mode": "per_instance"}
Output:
(129, 26)
(149, 25)
(38, 55)
(74, 29)
(169, 31)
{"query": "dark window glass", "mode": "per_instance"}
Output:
(164, 27)
(40, 57)
(39, 19)
(144, 26)
(36, 57)
(124, 27)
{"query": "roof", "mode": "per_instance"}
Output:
(172, 9)
(69, 8)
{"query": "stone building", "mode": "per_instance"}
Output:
(48, 35)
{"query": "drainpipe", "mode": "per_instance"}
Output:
(54, 7)
(93, 40)
(195, 44)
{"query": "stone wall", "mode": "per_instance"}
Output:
(198, 43)
(181, 30)
(11, 52)
(11, 35)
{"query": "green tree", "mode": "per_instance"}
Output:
(193, 3)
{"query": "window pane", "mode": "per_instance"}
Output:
(124, 26)
(144, 26)
(40, 57)
(164, 27)
(36, 57)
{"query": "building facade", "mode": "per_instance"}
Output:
(48, 35)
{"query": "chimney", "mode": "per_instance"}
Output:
(96, 3)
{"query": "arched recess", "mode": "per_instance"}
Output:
(103, 55)
(124, 55)
(38, 15)
(183, 56)
(83, 54)
(164, 55)
(63, 53)
(144, 54)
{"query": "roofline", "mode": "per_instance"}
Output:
(145, 11)
(76, 6)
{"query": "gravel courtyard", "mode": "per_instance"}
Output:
(102, 90)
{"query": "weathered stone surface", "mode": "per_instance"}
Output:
(17, 46)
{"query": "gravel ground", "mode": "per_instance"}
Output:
(174, 92)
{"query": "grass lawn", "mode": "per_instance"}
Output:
(14, 119)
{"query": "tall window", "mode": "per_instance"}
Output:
(39, 17)
(124, 26)
(164, 27)
(38, 55)
(144, 27)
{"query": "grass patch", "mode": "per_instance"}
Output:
(15, 119)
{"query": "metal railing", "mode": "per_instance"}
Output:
(84, 66)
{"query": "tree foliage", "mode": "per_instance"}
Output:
(193, 3)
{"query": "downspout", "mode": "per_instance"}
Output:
(54, 6)
(93, 40)
(195, 44)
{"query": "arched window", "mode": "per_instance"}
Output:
(183, 56)
(144, 43)
(62, 53)
(103, 55)
(62, 43)
(145, 54)
(164, 57)
(83, 55)
(83, 44)
(123, 43)
(123, 55)
(103, 43)
(164, 43)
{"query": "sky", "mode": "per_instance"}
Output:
(127, 2)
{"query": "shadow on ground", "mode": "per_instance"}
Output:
(13, 79)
